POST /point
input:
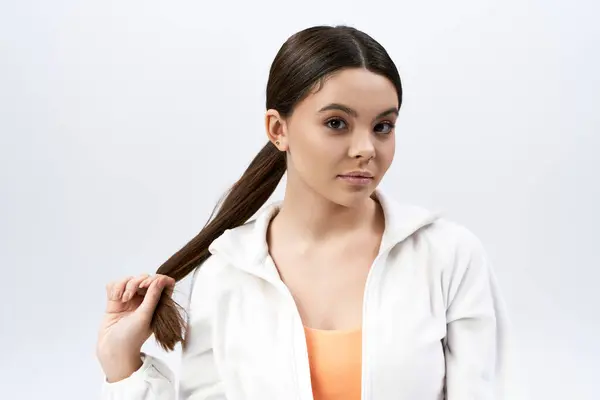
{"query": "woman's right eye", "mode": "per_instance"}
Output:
(336, 124)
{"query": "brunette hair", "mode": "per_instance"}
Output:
(302, 63)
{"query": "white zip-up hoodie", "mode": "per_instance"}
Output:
(434, 326)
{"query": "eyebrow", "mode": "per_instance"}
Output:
(350, 111)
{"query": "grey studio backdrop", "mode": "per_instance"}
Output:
(122, 123)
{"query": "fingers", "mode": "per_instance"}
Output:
(114, 290)
(146, 282)
(169, 283)
(132, 286)
(124, 289)
(157, 285)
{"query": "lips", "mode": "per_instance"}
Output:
(357, 178)
(358, 174)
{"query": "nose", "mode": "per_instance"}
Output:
(361, 146)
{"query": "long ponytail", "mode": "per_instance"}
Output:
(242, 201)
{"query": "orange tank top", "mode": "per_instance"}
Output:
(335, 359)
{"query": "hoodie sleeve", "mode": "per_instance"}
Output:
(199, 377)
(476, 344)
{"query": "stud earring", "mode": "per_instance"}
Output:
(277, 142)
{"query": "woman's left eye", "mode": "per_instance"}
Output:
(384, 127)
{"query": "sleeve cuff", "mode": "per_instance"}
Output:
(138, 376)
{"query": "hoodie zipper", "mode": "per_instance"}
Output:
(365, 316)
(375, 269)
(297, 329)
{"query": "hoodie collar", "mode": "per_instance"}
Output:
(246, 247)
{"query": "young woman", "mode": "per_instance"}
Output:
(337, 292)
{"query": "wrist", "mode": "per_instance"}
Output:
(120, 368)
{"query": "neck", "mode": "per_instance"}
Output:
(308, 215)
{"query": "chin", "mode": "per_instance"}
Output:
(351, 197)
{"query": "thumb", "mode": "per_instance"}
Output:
(152, 296)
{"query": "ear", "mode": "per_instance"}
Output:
(276, 127)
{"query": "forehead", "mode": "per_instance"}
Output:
(357, 88)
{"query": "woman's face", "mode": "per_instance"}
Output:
(340, 139)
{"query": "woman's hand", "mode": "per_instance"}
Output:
(126, 324)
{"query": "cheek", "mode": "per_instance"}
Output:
(386, 153)
(314, 153)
